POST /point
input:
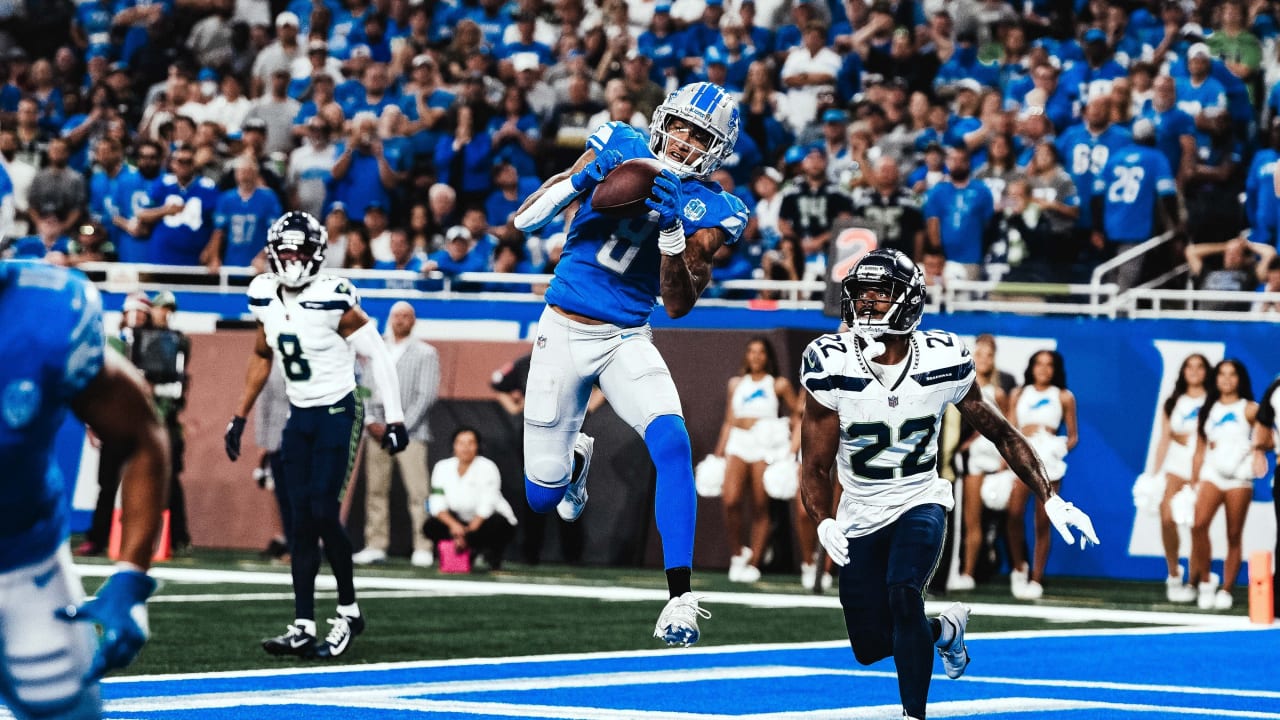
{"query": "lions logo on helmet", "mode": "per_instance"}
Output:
(295, 248)
(706, 106)
(895, 277)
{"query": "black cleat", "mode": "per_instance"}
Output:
(344, 628)
(295, 641)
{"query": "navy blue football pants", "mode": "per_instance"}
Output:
(881, 591)
(317, 449)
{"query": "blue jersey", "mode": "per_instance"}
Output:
(1084, 155)
(120, 196)
(179, 239)
(53, 347)
(963, 215)
(1260, 181)
(245, 223)
(609, 267)
(1171, 125)
(1131, 184)
(93, 17)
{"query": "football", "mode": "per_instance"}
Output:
(622, 192)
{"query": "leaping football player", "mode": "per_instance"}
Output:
(311, 323)
(876, 395)
(595, 328)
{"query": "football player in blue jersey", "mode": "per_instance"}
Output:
(876, 396)
(55, 359)
(595, 328)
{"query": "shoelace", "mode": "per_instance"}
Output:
(340, 629)
(697, 609)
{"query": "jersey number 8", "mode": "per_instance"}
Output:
(296, 367)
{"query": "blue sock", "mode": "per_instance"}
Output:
(676, 504)
(543, 499)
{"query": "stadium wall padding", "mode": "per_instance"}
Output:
(1118, 369)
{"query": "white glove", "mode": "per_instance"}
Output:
(671, 240)
(1065, 516)
(834, 541)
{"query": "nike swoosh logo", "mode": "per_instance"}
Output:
(628, 336)
(297, 642)
(43, 578)
(335, 410)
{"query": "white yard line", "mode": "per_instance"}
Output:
(442, 587)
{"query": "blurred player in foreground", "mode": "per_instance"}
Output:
(310, 323)
(55, 359)
(595, 329)
(876, 398)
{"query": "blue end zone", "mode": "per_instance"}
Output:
(1145, 675)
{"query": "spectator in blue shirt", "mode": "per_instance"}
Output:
(465, 160)
(402, 255)
(760, 39)
(958, 213)
(1097, 67)
(376, 37)
(526, 24)
(376, 96)
(116, 191)
(49, 244)
(1199, 92)
(460, 254)
(964, 63)
(180, 209)
(1260, 180)
(1085, 150)
(1175, 129)
(509, 191)
(663, 44)
(1133, 189)
(515, 133)
(362, 174)
(241, 220)
(493, 19)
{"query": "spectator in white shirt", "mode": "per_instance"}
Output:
(809, 71)
(467, 505)
(311, 170)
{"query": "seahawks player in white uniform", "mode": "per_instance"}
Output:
(876, 395)
(595, 329)
(313, 325)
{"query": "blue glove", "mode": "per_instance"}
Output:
(594, 172)
(666, 199)
(395, 438)
(121, 610)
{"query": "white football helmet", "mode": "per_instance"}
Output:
(704, 105)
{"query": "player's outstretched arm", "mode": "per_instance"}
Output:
(684, 275)
(819, 439)
(117, 406)
(561, 189)
(1024, 462)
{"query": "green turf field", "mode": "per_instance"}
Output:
(200, 626)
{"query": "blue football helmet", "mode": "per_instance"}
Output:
(706, 106)
(295, 248)
(897, 277)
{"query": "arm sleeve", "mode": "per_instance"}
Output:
(546, 207)
(368, 343)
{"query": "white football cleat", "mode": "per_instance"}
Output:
(422, 558)
(1222, 600)
(962, 583)
(678, 623)
(955, 656)
(369, 556)
(575, 498)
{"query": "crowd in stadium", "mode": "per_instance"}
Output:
(978, 137)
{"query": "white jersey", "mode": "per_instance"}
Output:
(887, 461)
(1040, 407)
(1186, 415)
(302, 331)
(755, 399)
(1227, 429)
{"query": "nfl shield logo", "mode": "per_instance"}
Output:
(893, 401)
(542, 341)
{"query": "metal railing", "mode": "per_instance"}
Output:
(1094, 298)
